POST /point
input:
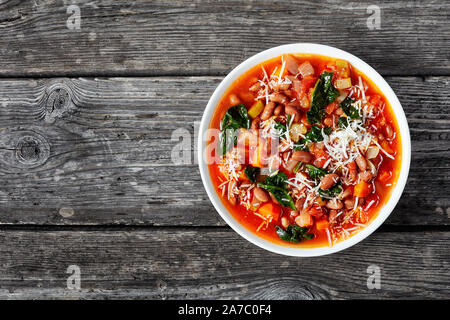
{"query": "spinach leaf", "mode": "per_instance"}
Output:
(297, 167)
(276, 185)
(301, 145)
(293, 233)
(315, 172)
(278, 180)
(251, 173)
(343, 122)
(281, 128)
(324, 93)
(332, 192)
(349, 109)
(235, 118)
(315, 134)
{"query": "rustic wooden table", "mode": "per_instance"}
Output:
(91, 93)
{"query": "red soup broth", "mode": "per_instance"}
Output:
(380, 190)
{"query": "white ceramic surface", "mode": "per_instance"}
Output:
(384, 212)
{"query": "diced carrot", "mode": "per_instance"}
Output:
(384, 176)
(322, 224)
(361, 190)
(257, 156)
(270, 210)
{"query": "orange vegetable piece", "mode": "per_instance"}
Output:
(257, 156)
(322, 224)
(361, 190)
(270, 210)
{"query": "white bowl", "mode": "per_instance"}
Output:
(311, 48)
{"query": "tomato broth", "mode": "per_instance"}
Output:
(342, 181)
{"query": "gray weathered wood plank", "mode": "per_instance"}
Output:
(98, 151)
(211, 37)
(195, 264)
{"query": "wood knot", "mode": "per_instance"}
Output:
(23, 149)
(58, 100)
(32, 150)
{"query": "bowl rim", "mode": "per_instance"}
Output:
(305, 48)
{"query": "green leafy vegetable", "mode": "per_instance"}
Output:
(235, 118)
(251, 173)
(315, 172)
(315, 134)
(297, 167)
(332, 192)
(282, 128)
(324, 93)
(301, 145)
(293, 233)
(349, 109)
(276, 185)
(343, 122)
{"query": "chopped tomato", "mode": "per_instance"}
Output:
(306, 84)
(270, 211)
(329, 109)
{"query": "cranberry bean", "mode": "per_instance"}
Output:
(267, 112)
(361, 162)
(299, 203)
(279, 98)
(255, 123)
(302, 156)
(291, 164)
(334, 204)
(284, 222)
(328, 181)
(260, 194)
(349, 203)
(278, 110)
(365, 176)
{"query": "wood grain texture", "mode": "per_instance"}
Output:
(211, 37)
(98, 151)
(194, 264)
